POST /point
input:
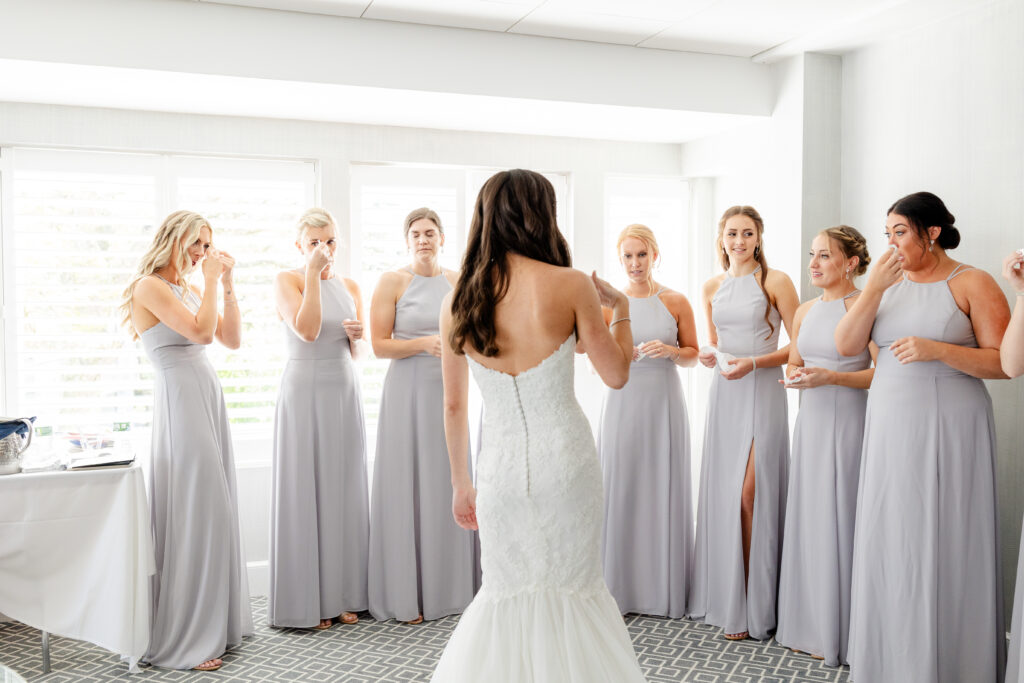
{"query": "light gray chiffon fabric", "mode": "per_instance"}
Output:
(814, 585)
(644, 446)
(421, 561)
(741, 412)
(320, 524)
(926, 599)
(200, 592)
(1014, 666)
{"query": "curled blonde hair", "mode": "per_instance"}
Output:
(313, 218)
(417, 214)
(169, 247)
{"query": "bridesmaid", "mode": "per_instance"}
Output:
(422, 565)
(1011, 355)
(926, 599)
(319, 537)
(814, 583)
(200, 594)
(644, 445)
(746, 440)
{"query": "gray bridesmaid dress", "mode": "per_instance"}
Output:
(644, 446)
(1014, 665)
(421, 561)
(200, 593)
(320, 520)
(814, 584)
(927, 595)
(748, 410)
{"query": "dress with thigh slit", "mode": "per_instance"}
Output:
(741, 412)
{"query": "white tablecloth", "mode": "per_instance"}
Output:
(76, 554)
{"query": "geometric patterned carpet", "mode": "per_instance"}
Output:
(372, 651)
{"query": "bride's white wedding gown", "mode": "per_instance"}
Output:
(544, 612)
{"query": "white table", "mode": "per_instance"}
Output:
(76, 553)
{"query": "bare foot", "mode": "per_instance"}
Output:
(417, 620)
(348, 618)
(323, 625)
(209, 665)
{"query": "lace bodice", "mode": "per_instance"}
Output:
(539, 500)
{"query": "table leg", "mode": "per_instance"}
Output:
(46, 652)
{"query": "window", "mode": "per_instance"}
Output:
(76, 224)
(662, 204)
(382, 196)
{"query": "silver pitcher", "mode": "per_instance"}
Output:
(12, 446)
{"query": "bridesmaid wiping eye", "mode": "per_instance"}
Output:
(319, 539)
(926, 600)
(200, 591)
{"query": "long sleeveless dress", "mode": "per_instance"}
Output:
(1014, 665)
(320, 519)
(748, 410)
(200, 593)
(421, 561)
(927, 595)
(814, 585)
(544, 612)
(644, 447)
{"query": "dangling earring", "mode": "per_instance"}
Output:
(931, 244)
(848, 274)
(757, 250)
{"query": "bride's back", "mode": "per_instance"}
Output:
(535, 317)
(517, 299)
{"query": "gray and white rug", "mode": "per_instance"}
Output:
(372, 651)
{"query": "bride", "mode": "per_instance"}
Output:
(544, 612)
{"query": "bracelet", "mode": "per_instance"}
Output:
(232, 300)
(618, 320)
(1020, 293)
(754, 361)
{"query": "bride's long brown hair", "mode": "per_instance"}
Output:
(514, 213)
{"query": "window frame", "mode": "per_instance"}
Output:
(169, 168)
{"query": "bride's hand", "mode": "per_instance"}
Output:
(608, 295)
(464, 507)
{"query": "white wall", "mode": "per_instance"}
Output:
(786, 167)
(334, 146)
(941, 108)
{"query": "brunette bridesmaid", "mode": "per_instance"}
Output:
(926, 601)
(746, 440)
(422, 564)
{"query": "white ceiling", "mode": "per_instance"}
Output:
(742, 28)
